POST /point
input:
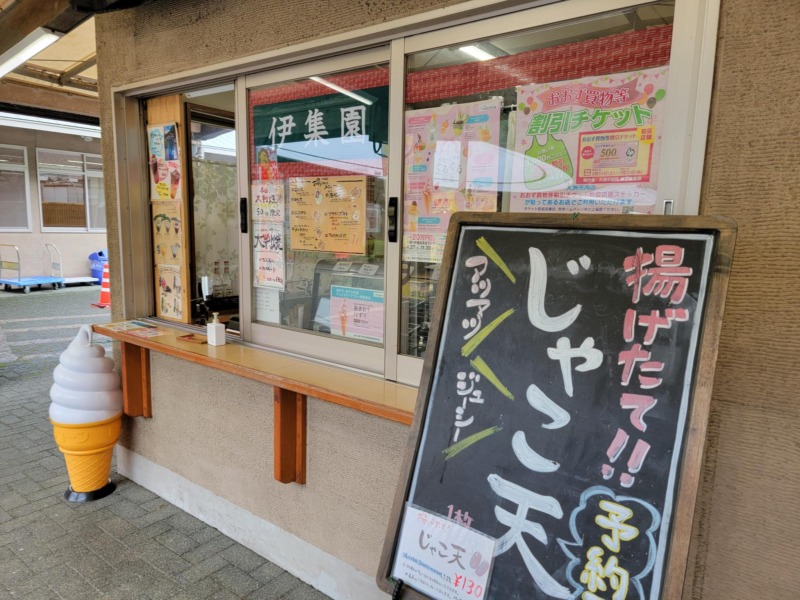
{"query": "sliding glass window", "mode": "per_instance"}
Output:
(563, 118)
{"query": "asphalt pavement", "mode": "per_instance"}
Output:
(132, 544)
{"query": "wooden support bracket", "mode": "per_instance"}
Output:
(136, 380)
(290, 436)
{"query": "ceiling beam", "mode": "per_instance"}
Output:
(24, 17)
(55, 78)
(22, 94)
(66, 76)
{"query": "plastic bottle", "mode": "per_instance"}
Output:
(216, 281)
(215, 331)
(227, 282)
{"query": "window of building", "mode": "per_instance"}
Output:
(565, 118)
(71, 190)
(14, 213)
(571, 107)
(319, 153)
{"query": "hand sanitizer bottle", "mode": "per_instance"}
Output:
(216, 332)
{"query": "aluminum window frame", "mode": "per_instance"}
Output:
(85, 173)
(23, 168)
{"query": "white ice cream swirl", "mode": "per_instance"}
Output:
(86, 388)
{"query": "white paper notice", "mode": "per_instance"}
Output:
(441, 558)
(268, 305)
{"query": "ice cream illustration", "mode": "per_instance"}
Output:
(174, 182)
(426, 197)
(413, 214)
(86, 412)
(343, 317)
(154, 168)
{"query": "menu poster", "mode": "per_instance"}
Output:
(170, 299)
(268, 255)
(452, 163)
(328, 214)
(589, 145)
(357, 313)
(167, 236)
(165, 164)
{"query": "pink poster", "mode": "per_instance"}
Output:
(357, 313)
(452, 163)
(589, 145)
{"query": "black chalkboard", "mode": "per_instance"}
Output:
(570, 360)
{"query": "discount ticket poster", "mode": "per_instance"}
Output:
(452, 162)
(589, 145)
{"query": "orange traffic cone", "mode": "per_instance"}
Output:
(105, 290)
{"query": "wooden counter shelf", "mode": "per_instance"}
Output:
(293, 379)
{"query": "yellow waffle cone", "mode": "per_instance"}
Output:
(88, 449)
(89, 472)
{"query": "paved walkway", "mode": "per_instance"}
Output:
(132, 544)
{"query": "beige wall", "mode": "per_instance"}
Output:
(749, 513)
(748, 518)
(74, 247)
(215, 429)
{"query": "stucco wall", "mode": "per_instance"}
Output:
(748, 513)
(76, 246)
(217, 430)
(747, 520)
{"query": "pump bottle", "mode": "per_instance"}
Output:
(216, 332)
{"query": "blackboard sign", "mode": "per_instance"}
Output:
(562, 409)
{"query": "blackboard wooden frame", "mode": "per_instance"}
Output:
(689, 470)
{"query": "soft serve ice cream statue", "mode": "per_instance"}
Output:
(86, 413)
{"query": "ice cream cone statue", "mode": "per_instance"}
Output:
(86, 412)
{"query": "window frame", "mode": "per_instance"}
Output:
(83, 172)
(363, 357)
(692, 57)
(23, 168)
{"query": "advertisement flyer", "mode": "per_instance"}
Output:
(170, 300)
(165, 165)
(328, 214)
(268, 255)
(452, 163)
(357, 313)
(266, 167)
(167, 235)
(589, 145)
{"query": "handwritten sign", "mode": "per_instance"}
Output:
(442, 557)
(268, 201)
(328, 214)
(558, 406)
(268, 255)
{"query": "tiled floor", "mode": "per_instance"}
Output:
(131, 544)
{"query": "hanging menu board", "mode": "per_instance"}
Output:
(562, 409)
